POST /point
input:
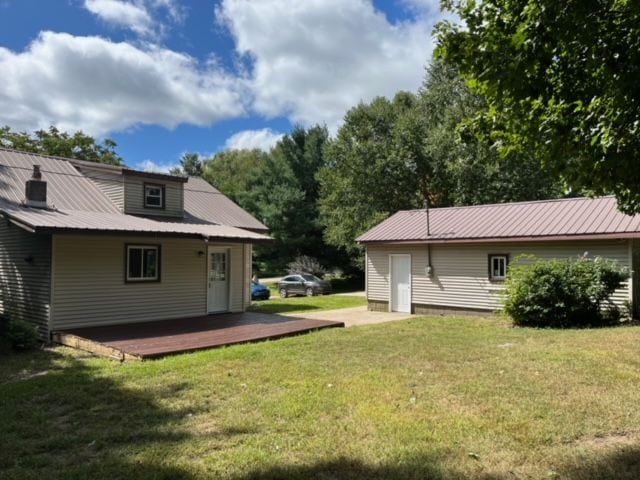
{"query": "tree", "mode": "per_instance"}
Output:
(61, 144)
(394, 155)
(284, 193)
(561, 81)
(364, 180)
(468, 170)
(230, 170)
(190, 165)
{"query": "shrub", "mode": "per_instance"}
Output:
(19, 334)
(563, 293)
(305, 264)
(351, 283)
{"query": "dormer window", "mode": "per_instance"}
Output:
(154, 196)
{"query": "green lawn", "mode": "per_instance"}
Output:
(428, 398)
(301, 304)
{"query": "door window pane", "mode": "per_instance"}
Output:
(218, 269)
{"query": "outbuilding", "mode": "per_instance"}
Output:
(456, 259)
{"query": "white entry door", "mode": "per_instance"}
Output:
(218, 280)
(401, 283)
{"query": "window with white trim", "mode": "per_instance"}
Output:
(143, 263)
(153, 195)
(498, 267)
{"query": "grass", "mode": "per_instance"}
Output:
(428, 398)
(301, 304)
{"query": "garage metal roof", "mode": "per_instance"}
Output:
(572, 218)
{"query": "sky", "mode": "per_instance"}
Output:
(165, 77)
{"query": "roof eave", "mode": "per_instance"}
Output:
(135, 233)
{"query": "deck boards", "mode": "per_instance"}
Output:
(166, 337)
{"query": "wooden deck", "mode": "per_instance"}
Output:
(157, 339)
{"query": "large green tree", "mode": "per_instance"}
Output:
(364, 178)
(281, 189)
(284, 194)
(561, 82)
(398, 154)
(62, 144)
(231, 170)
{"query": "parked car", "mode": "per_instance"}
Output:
(303, 284)
(259, 291)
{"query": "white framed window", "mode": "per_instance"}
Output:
(143, 263)
(498, 266)
(153, 195)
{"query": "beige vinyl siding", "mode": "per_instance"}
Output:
(111, 184)
(248, 273)
(25, 288)
(134, 197)
(90, 288)
(461, 271)
(237, 278)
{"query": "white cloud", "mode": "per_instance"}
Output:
(122, 14)
(313, 60)
(151, 166)
(263, 139)
(146, 18)
(99, 86)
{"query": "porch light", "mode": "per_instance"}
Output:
(200, 253)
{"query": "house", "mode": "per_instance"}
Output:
(456, 259)
(86, 244)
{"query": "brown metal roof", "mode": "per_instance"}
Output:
(77, 204)
(204, 202)
(572, 218)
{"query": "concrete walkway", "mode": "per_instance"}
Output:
(352, 317)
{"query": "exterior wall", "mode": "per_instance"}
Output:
(460, 276)
(90, 288)
(25, 287)
(134, 197)
(111, 184)
(237, 280)
(248, 273)
(635, 284)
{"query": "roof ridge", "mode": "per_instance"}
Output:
(37, 154)
(504, 204)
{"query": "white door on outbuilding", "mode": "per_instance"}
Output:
(400, 267)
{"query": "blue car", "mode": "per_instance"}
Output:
(259, 291)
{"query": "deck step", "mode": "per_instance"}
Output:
(91, 346)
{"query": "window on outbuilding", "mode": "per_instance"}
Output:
(498, 264)
(143, 263)
(154, 195)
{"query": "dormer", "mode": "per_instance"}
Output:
(137, 193)
(153, 194)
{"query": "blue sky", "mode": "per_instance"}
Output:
(163, 77)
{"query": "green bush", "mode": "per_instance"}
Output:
(563, 293)
(19, 334)
(350, 283)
